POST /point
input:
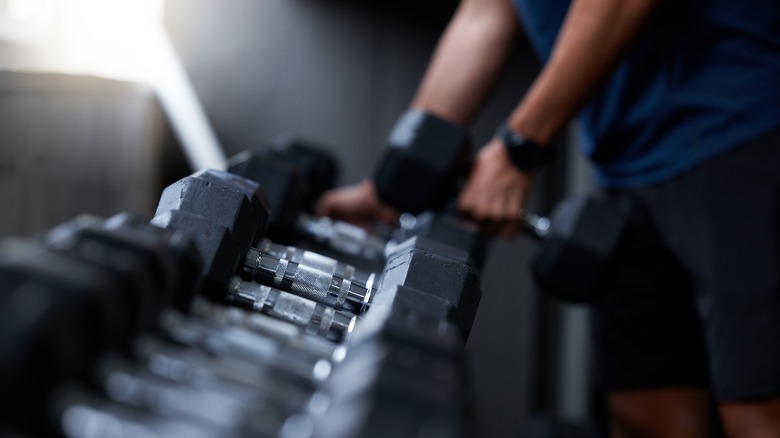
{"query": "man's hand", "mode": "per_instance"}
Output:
(358, 204)
(495, 191)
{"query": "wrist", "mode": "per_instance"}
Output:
(523, 152)
(367, 190)
(533, 124)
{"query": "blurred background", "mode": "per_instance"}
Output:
(104, 102)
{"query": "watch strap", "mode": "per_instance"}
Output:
(526, 154)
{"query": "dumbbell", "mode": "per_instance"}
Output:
(58, 315)
(209, 395)
(235, 364)
(146, 263)
(577, 242)
(316, 317)
(402, 391)
(318, 168)
(179, 246)
(215, 209)
(237, 348)
(407, 316)
(436, 269)
(409, 351)
(405, 386)
(219, 405)
(442, 227)
(122, 242)
(293, 175)
(288, 174)
(340, 285)
(45, 276)
(287, 333)
(301, 272)
(79, 413)
(287, 388)
(223, 394)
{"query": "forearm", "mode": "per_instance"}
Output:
(468, 60)
(594, 36)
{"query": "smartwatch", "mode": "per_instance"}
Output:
(526, 154)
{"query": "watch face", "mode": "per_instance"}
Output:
(524, 153)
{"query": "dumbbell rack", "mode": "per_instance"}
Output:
(204, 369)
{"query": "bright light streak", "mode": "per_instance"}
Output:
(125, 39)
(30, 11)
(116, 38)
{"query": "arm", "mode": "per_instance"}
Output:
(468, 60)
(463, 70)
(592, 40)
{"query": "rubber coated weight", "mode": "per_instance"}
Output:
(97, 289)
(48, 336)
(444, 274)
(140, 260)
(317, 168)
(423, 158)
(293, 175)
(58, 314)
(216, 248)
(578, 248)
(449, 229)
(187, 279)
(222, 250)
(284, 186)
(408, 316)
(223, 199)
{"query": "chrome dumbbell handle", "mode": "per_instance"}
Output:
(343, 237)
(538, 226)
(311, 276)
(320, 319)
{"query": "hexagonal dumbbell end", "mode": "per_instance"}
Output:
(233, 202)
(141, 260)
(578, 248)
(182, 249)
(317, 167)
(282, 183)
(216, 247)
(436, 269)
(423, 159)
(452, 230)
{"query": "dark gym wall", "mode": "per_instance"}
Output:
(337, 71)
(71, 145)
(340, 72)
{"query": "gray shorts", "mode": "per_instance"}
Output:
(694, 299)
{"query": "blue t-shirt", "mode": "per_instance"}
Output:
(703, 77)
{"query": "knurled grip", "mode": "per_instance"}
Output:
(309, 275)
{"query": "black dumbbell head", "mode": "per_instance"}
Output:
(436, 269)
(403, 391)
(47, 339)
(578, 248)
(187, 273)
(283, 185)
(317, 167)
(227, 200)
(251, 189)
(407, 316)
(423, 158)
(433, 246)
(140, 261)
(80, 292)
(451, 230)
(216, 248)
